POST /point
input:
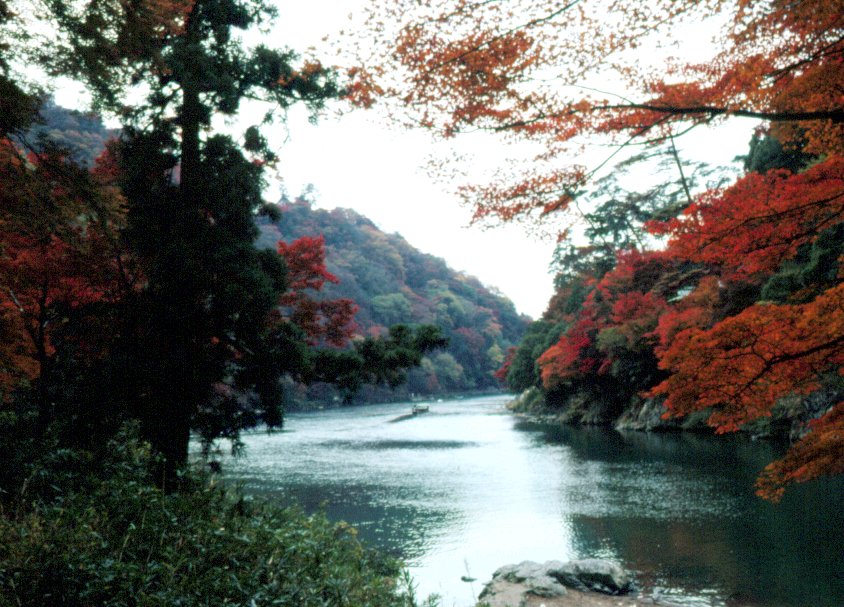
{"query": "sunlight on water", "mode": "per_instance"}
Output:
(467, 487)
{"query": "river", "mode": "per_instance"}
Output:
(468, 487)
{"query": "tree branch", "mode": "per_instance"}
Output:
(836, 115)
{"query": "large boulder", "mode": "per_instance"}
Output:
(551, 578)
(517, 574)
(591, 574)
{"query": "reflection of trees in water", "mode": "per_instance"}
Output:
(788, 557)
(386, 517)
(738, 453)
(681, 506)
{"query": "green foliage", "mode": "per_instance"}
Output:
(524, 372)
(383, 361)
(767, 153)
(815, 268)
(17, 108)
(390, 309)
(82, 135)
(102, 535)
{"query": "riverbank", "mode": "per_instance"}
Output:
(787, 422)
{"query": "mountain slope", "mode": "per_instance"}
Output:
(392, 283)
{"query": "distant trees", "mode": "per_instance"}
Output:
(392, 283)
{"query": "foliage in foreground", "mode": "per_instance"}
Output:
(97, 533)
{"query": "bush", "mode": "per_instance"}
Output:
(113, 539)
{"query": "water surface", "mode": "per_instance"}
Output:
(467, 487)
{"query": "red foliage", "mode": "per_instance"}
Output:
(819, 453)
(625, 301)
(745, 363)
(58, 256)
(750, 228)
(504, 369)
(305, 259)
(329, 321)
(573, 355)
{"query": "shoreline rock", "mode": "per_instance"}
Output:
(525, 583)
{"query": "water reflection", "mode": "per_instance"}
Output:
(467, 488)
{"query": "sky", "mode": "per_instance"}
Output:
(360, 161)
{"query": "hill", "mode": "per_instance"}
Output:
(82, 134)
(392, 282)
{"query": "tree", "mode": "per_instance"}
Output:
(529, 71)
(743, 364)
(751, 228)
(330, 321)
(58, 229)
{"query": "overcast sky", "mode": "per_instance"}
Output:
(359, 162)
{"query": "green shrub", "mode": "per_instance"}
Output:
(113, 539)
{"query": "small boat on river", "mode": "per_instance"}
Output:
(420, 408)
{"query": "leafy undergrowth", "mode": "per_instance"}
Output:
(77, 537)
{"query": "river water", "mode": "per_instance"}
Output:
(467, 487)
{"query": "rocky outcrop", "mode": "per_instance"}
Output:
(597, 575)
(788, 419)
(645, 414)
(554, 578)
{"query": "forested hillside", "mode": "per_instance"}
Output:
(82, 134)
(391, 282)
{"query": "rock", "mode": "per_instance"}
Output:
(645, 414)
(517, 574)
(525, 578)
(549, 580)
(544, 586)
(592, 574)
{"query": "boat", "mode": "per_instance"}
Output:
(419, 408)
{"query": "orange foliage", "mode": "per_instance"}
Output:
(525, 69)
(745, 363)
(819, 453)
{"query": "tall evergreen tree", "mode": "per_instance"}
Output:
(199, 345)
